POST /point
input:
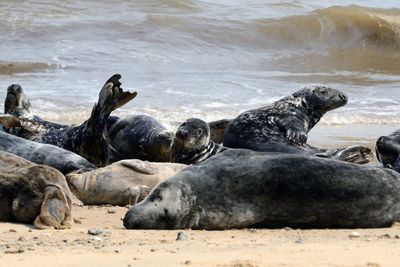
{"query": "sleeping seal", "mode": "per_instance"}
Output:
(140, 137)
(242, 188)
(192, 143)
(121, 183)
(89, 139)
(63, 160)
(32, 193)
(284, 126)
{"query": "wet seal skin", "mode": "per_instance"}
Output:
(90, 139)
(125, 182)
(33, 194)
(242, 188)
(140, 137)
(192, 143)
(388, 150)
(284, 125)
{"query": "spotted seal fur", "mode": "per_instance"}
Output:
(90, 139)
(284, 125)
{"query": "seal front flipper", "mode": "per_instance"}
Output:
(355, 154)
(10, 121)
(138, 166)
(293, 128)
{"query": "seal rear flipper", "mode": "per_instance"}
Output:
(138, 166)
(357, 154)
(55, 211)
(112, 96)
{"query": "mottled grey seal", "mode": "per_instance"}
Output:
(192, 143)
(242, 188)
(121, 183)
(140, 137)
(284, 125)
(63, 160)
(90, 139)
(32, 193)
(388, 149)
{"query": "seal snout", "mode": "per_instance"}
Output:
(182, 133)
(343, 97)
(381, 141)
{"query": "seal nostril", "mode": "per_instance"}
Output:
(381, 139)
(343, 96)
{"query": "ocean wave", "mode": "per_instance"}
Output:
(337, 26)
(7, 67)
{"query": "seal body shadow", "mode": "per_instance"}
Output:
(243, 188)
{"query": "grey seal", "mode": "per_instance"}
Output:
(90, 139)
(192, 142)
(33, 194)
(140, 137)
(284, 125)
(63, 160)
(121, 183)
(242, 188)
(388, 150)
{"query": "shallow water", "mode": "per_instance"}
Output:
(207, 59)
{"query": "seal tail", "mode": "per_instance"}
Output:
(357, 154)
(111, 97)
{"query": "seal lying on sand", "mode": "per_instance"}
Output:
(192, 143)
(121, 183)
(243, 188)
(63, 160)
(388, 149)
(89, 139)
(32, 193)
(284, 126)
(140, 137)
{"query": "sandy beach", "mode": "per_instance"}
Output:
(22, 245)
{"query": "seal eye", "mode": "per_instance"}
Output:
(183, 124)
(199, 132)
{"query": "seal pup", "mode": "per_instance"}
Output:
(125, 182)
(90, 139)
(217, 130)
(63, 160)
(33, 193)
(140, 137)
(284, 125)
(192, 143)
(242, 188)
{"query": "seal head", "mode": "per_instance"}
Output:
(17, 103)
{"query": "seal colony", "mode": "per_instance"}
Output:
(284, 182)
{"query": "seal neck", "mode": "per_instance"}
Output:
(198, 155)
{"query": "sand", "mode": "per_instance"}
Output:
(22, 245)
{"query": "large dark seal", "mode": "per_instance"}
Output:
(90, 139)
(243, 188)
(63, 160)
(121, 183)
(284, 126)
(32, 193)
(140, 137)
(388, 150)
(192, 143)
